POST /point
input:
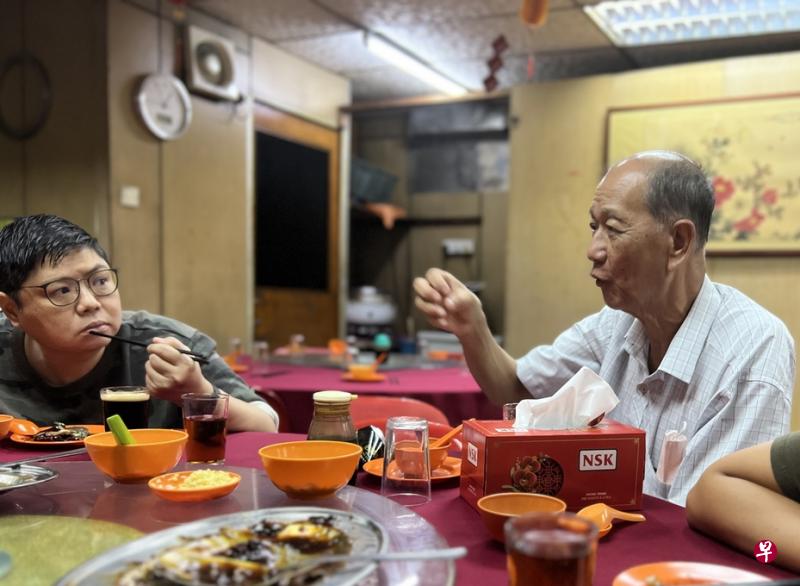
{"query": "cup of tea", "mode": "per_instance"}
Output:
(550, 549)
(131, 403)
(205, 418)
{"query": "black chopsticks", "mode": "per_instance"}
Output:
(198, 357)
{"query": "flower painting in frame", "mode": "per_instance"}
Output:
(750, 150)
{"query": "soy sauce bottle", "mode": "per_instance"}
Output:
(332, 420)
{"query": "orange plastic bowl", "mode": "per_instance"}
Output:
(5, 424)
(170, 486)
(498, 508)
(409, 456)
(310, 469)
(156, 451)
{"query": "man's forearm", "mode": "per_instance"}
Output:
(243, 416)
(493, 368)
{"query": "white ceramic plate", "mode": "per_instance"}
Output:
(365, 536)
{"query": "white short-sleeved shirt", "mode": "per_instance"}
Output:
(728, 374)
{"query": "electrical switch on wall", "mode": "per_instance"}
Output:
(458, 246)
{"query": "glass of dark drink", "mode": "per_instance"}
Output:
(550, 549)
(132, 404)
(204, 419)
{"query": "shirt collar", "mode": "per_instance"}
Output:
(684, 351)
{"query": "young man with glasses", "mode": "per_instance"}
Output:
(57, 286)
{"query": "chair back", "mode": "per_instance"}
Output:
(377, 406)
(435, 429)
(273, 400)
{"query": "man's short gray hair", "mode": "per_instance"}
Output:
(678, 188)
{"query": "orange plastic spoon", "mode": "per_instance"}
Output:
(24, 427)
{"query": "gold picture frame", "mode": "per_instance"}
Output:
(749, 147)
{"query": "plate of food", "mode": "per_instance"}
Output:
(19, 475)
(275, 546)
(684, 574)
(194, 485)
(58, 435)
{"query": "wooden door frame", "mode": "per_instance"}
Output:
(290, 127)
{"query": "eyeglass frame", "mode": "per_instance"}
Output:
(44, 286)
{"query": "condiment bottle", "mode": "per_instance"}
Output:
(332, 420)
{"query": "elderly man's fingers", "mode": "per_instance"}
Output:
(423, 288)
(433, 310)
(460, 300)
(440, 280)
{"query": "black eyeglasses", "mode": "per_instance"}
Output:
(66, 291)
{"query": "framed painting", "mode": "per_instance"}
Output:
(748, 147)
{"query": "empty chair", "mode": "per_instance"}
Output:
(372, 407)
(435, 429)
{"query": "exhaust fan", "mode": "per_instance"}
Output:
(210, 61)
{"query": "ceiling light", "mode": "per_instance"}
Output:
(411, 65)
(629, 23)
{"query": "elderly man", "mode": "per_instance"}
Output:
(677, 348)
(57, 286)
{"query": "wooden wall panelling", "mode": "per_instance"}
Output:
(66, 170)
(12, 201)
(134, 158)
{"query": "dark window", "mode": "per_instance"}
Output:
(291, 214)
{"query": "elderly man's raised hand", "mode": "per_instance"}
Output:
(447, 303)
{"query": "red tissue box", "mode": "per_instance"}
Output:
(604, 463)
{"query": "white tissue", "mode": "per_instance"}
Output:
(583, 398)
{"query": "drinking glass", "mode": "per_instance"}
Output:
(550, 549)
(204, 419)
(406, 466)
(132, 404)
(509, 411)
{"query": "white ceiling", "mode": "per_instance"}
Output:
(455, 36)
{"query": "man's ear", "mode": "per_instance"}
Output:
(683, 239)
(10, 308)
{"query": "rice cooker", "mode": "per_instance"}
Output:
(370, 313)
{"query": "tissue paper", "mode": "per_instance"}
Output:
(583, 398)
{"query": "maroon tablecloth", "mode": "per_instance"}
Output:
(664, 536)
(453, 390)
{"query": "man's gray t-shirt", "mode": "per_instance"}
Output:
(24, 394)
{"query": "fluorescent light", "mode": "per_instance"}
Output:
(630, 23)
(411, 65)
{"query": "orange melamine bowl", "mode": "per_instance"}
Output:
(156, 451)
(408, 456)
(310, 469)
(5, 424)
(498, 508)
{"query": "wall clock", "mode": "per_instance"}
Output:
(23, 122)
(164, 106)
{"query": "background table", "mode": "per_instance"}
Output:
(664, 536)
(452, 390)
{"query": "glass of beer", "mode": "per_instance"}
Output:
(550, 549)
(204, 419)
(132, 404)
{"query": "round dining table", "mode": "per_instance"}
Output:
(82, 492)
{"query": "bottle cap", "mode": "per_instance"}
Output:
(333, 397)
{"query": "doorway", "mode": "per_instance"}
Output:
(296, 232)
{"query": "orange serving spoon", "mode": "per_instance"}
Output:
(441, 441)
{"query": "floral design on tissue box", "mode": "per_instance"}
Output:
(540, 474)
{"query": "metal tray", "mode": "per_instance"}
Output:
(19, 475)
(365, 535)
